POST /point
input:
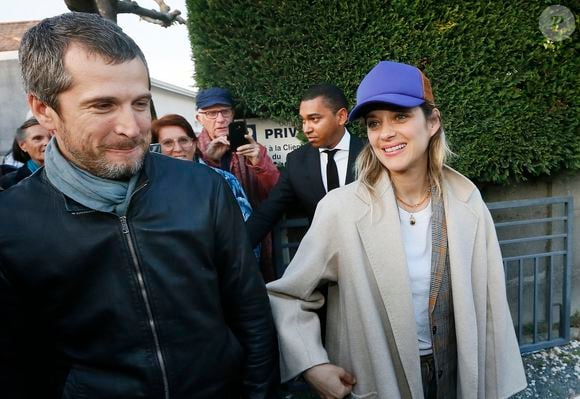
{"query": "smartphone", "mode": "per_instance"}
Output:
(237, 131)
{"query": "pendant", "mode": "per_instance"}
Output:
(412, 220)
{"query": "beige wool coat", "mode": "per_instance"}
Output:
(355, 244)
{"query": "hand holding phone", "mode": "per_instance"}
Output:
(237, 130)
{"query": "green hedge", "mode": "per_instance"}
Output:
(508, 97)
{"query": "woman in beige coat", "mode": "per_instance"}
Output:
(416, 300)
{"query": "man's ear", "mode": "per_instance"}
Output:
(44, 114)
(342, 116)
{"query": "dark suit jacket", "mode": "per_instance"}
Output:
(298, 190)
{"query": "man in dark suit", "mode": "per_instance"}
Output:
(326, 162)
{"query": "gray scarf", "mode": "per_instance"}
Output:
(91, 191)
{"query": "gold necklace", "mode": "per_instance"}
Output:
(412, 219)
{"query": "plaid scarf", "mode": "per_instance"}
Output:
(441, 305)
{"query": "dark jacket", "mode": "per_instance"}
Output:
(11, 178)
(298, 190)
(166, 302)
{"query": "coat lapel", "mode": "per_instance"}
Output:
(461, 230)
(355, 147)
(380, 234)
(313, 173)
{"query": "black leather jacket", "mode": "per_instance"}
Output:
(166, 302)
(12, 178)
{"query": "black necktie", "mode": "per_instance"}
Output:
(331, 171)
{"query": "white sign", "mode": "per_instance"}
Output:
(278, 139)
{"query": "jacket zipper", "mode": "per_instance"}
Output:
(125, 228)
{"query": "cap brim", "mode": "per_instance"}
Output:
(399, 100)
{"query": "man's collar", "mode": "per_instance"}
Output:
(343, 144)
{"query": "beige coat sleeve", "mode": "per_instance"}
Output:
(294, 298)
(504, 374)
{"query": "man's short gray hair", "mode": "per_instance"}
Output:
(43, 48)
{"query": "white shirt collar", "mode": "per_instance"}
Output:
(343, 144)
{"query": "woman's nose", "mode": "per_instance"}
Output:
(388, 131)
(177, 147)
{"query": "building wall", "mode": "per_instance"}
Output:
(13, 106)
(170, 99)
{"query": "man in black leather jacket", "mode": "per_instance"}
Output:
(123, 274)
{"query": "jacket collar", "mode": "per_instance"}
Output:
(356, 145)
(462, 225)
(312, 172)
(382, 187)
(457, 185)
(380, 235)
(75, 207)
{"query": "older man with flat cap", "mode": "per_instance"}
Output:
(250, 163)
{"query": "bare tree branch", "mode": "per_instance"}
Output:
(110, 8)
(163, 7)
(107, 9)
(164, 17)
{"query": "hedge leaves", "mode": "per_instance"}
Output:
(509, 97)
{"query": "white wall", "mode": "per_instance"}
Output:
(170, 99)
(13, 106)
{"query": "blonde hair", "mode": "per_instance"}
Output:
(369, 169)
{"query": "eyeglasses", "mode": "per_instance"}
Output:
(184, 142)
(226, 113)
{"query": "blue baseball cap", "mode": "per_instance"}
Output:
(392, 83)
(213, 96)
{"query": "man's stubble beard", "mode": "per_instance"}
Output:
(98, 165)
(117, 171)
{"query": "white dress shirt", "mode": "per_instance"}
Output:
(340, 158)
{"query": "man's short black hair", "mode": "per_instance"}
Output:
(333, 96)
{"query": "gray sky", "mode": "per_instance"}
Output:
(167, 50)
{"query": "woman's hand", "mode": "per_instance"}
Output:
(330, 381)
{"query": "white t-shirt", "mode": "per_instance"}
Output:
(417, 243)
